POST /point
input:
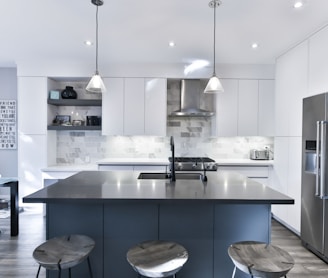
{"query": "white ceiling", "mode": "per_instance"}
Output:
(133, 31)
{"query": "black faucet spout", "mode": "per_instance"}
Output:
(172, 168)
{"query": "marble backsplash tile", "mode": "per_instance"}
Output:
(192, 136)
(91, 146)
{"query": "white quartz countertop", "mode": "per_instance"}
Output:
(148, 161)
(242, 162)
(71, 168)
(134, 161)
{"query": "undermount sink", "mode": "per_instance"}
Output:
(164, 176)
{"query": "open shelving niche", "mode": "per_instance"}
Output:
(86, 104)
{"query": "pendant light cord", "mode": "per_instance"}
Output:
(214, 7)
(97, 40)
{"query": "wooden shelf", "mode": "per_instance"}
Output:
(75, 102)
(83, 127)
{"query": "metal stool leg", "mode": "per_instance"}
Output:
(234, 272)
(89, 264)
(59, 273)
(69, 273)
(37, 275)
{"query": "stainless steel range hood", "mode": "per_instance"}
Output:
(190, 100)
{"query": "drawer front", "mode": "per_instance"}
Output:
(149, 168)
(248, 171)
(115, 168)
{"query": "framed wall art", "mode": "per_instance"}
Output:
(8, 124)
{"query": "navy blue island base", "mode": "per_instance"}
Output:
(119, 211)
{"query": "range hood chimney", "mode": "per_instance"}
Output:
(190, 100)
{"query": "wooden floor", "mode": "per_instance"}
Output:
(306, 263)
(16, 252)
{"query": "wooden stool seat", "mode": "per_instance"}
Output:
(157, 258)
(63, 252)
(260, 259)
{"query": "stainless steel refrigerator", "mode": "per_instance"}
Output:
(314, 203)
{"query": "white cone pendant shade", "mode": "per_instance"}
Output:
(214, 86)
(96, 85)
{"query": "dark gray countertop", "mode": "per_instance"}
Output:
(122, 186)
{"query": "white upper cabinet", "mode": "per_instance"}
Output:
(32, 108)
(245, 108)
(134, 106)
(291, 88)
(248, 101)
(266, 108)
(318, 66)
(227, 110)
(112, 107)
(155, 106)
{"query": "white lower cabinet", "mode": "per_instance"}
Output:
(280, 175)
(286, 178)
(134, 106)
(295, 181)
(32, 156)
(137, 168)
(258, 173)
(104, 167)
(149, 168)
(51, 177)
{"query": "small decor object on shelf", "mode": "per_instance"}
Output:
(53, 94)
(77, 123)
(93, 120)
(69, 93)
(62, 120)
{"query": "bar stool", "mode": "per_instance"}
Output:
(260, 259)
(64, 252)
(157, 258)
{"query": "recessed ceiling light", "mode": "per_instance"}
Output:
(298, 4)
(88, 43)
(171, 44)
(255, 45)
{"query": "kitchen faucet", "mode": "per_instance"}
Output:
(172, 168)
(204, 178)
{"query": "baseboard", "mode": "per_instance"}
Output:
(295, 232)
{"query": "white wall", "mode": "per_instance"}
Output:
(56, 69)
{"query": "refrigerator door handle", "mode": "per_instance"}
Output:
(318, 154)
(323, 138)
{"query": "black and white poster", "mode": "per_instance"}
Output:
(8, 128)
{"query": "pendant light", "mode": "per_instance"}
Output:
(214, 84)
(96, 85)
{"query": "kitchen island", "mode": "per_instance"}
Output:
(119, 210)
